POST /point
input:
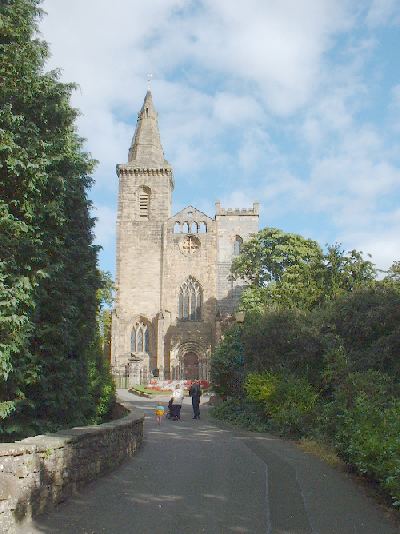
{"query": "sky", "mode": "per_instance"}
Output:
(291, 103)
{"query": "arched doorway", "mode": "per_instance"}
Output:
(190, 366)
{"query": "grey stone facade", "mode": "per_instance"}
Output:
(173, 283)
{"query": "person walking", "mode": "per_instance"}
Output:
(177, 399)
(195, 393)
(159, 411)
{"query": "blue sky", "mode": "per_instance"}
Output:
(292, 103)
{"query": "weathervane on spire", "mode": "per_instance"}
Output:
(149, 78)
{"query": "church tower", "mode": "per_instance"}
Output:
(144, 204)
(174, 289)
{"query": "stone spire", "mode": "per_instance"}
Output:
(146, 149)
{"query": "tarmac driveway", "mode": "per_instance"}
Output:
(200, 477)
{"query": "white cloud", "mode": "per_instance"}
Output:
(237, 110)
(265, 94)
(239, 199)
(383, 245)
(383, 11)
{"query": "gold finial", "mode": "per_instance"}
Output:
(149, 78)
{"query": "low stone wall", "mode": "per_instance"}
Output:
(38, 472)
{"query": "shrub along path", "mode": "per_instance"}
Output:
(198, 476)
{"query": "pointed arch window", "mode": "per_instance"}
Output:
(237, 245)
(190, 300)
(140, 338)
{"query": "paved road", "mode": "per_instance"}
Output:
(195, 477)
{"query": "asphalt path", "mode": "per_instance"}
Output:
(197, 476)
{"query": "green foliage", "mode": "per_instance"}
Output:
(367, 321)
(291, 271)
(393, 275)
(242, 413)
(105, 297)
(227, 364)
(282, 340)
(48, 273)
(342, 397)
(321, 341)
(102, 388)
(266, 256)
(368, 438)
(289, 401)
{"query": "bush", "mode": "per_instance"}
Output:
(282, 340)
(289, 402)
(242, 413)
(369, 439)
(368, 323)
(102, 389)
(227, 365)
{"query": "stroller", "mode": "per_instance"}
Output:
(170, 414)
(173, 412)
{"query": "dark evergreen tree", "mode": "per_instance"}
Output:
(48, 272)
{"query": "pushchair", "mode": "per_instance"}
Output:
(173, 412)
(170, 412)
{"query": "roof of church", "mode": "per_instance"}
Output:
(146, 149)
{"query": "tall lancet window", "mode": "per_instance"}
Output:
(237, 245)
(140, 338)
(190, 300)
(144, 202)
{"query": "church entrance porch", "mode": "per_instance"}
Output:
(190, 366)
(189, 360)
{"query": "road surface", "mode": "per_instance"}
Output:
(195, 477)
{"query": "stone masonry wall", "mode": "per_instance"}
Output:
(231, 223)
(37, 473)
(138, 253)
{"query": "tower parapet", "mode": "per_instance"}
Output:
(254, 211)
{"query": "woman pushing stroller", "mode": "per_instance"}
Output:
(176, 403)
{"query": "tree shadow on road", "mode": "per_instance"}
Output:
(166, 488)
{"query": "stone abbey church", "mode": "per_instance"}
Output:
(173, 283)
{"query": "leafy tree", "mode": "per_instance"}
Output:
(291, 271)
(266, 256)
(48, 272)
(345, 271)
(393, 275)
(105, 297)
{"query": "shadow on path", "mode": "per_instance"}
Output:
(199, 476)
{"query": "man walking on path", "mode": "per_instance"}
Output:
(195, 393)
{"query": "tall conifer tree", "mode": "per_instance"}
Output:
(48, 274)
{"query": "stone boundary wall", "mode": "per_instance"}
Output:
(37, 473)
